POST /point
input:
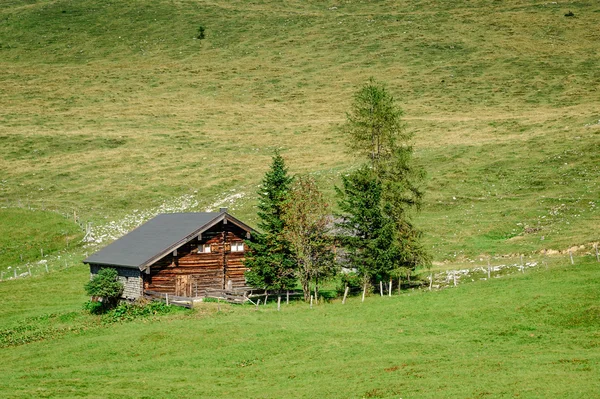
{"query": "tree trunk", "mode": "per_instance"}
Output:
(306, 290)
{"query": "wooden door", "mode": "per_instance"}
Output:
(183, 286)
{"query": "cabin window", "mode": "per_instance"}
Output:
(204, 248)
(237, 247)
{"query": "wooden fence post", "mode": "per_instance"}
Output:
(571, 256)
(287, 297)
(381, 288)
(364, 292)
(430, 280)
(278, 303)
(15, 270)
(311, 300)
(257, 303)
(167, 299)
(345, 294)
(42, 252)
(46, 268)
(390, 288)
(29, 271)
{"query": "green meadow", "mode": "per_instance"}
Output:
(533, 335)
(111, 111)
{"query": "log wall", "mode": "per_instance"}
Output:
(190, 273)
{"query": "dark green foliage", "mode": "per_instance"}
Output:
(269, 260)
(367, 230)
(351, 280)
(201, 31)
(129, 311)
(94, 307)
(105, 285)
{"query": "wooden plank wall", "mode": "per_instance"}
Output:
(190, 273)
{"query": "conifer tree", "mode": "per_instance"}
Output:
(269, 260)
(376, 199)
(368, 231)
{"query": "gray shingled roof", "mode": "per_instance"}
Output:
(158, 236)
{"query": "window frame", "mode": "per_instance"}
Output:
(204, 248)
(238, 245)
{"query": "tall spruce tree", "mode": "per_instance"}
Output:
(367, 230)
(269, 261)
(376, 200)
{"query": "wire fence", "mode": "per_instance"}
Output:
(48, 264)
(496, 267)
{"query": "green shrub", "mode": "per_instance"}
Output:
(201, 30)
(129, 311)
(351, 280)
(94, 307)
(105, 285)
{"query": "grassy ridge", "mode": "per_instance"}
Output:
(110, 107)
(532, 335)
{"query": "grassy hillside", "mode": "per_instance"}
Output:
(109, 107)
(27, 235)
(532, 335)
(111, 111)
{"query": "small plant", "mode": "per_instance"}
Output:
(129, 311)
(201, 30)
(104, 288)
(94, 307)
(351, 280)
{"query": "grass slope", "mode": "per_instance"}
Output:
(108, 107)
(532, 335)
(26, 235)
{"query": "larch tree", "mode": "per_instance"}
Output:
(306, 222)
(376, 199)
(270, 261)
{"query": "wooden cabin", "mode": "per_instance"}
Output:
(183, 254)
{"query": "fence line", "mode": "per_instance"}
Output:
(439, 280)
